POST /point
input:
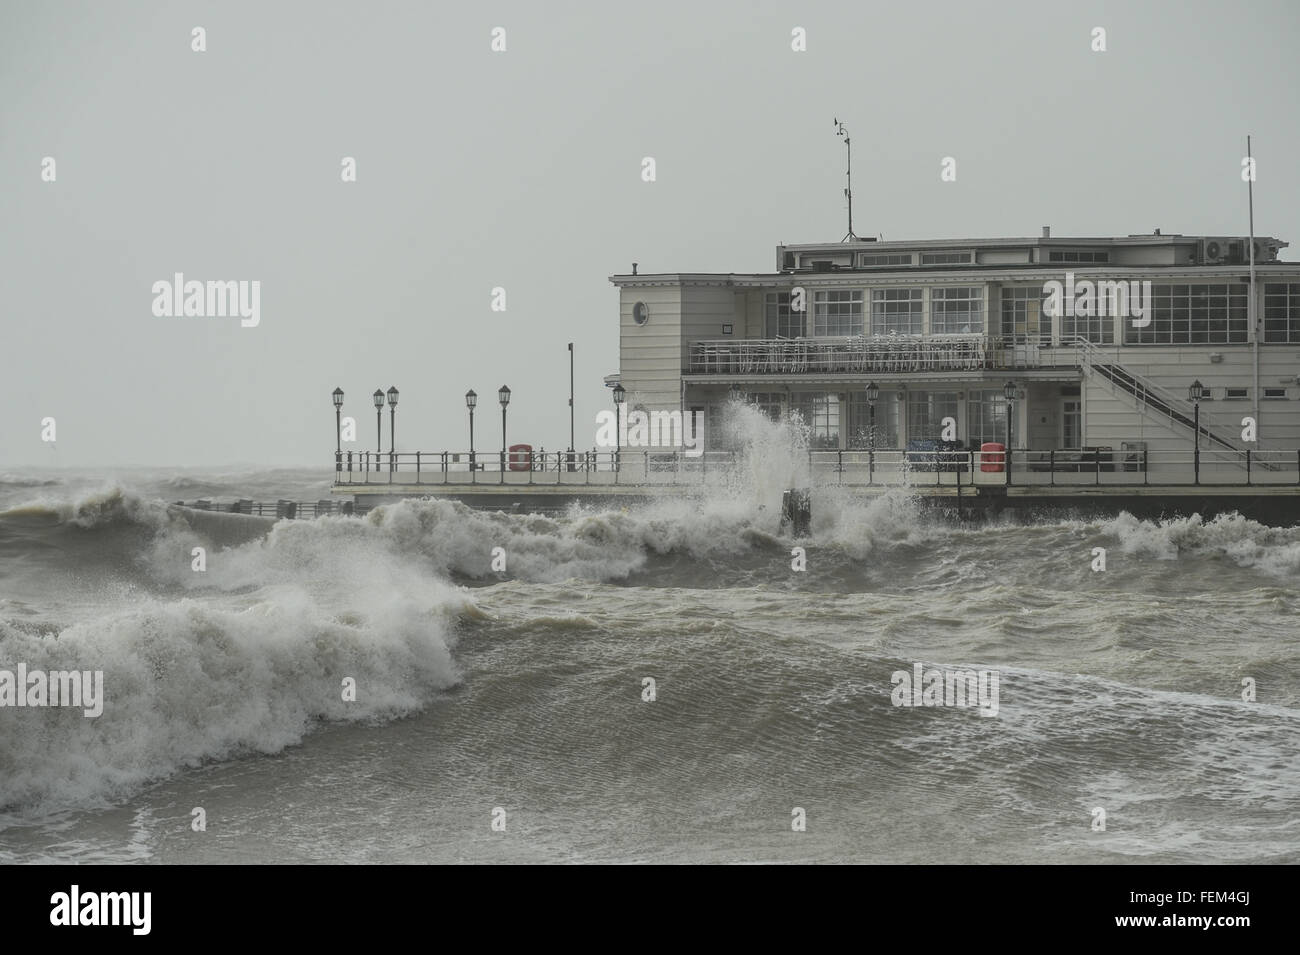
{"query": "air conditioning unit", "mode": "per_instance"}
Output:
(1265, 252)
(1215, 251)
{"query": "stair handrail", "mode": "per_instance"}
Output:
(1212, 428)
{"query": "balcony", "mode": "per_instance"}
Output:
(881, 355)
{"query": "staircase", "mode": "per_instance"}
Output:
(1153, 397)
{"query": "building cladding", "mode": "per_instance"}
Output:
(940, 327)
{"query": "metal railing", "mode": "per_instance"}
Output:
(885, 354)
(279, 509)
(1148, 394)
(883, 467)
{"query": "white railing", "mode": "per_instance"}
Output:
(1185, 412)
(885, 467)
(886, 354)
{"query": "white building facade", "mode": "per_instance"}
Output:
(940, 327)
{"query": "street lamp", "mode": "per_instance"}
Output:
(338, 429)
(619, 394)
(471, 400)
(379, 421)
(503, 395)
(1195, 393)
(1009, 392)
(392, 426)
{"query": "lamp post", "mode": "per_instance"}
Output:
(379, 424)
(503, 395)
(619, 394)
(1195, 393)
(338, 429)
(570, 458)
(873, 392)
(1009, 392)
(471, 400)
(392, 427)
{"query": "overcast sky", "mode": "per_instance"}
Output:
(522, 170)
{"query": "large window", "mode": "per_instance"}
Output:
(896, 311)
(781, 320)
(926, 411)
(1282, 313)
(767, 402)
(986, 416)
(956, 310)
(887, 417)
(1096, 328)
(837, 313)
(1192, 315)
(821, 412)
(1023, 320)
(945, 258)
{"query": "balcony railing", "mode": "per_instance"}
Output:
(883, 467)
(886, 354)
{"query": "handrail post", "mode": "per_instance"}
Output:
(1146, 469)
(871, 465)
(1248, 467)
(1051, 467)
(1096, 463)
(645, 463)
(417, 467)
(839, 464)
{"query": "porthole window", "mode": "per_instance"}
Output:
(640, 314)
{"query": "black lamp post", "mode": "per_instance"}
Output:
(1195, 392)
(873, 392)
(471, 400)
(379, 422)
(1009, 392)
(503, 395)
(392, 427)
(619, 394)
(338, 429)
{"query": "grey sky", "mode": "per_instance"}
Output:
(522, 169)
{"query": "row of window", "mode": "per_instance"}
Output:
(1282, 313)
(893, 311)
(877, 259)
(1192, 314)
(1069, 255)
(826, 416)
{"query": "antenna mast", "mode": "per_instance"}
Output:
(842, 130)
